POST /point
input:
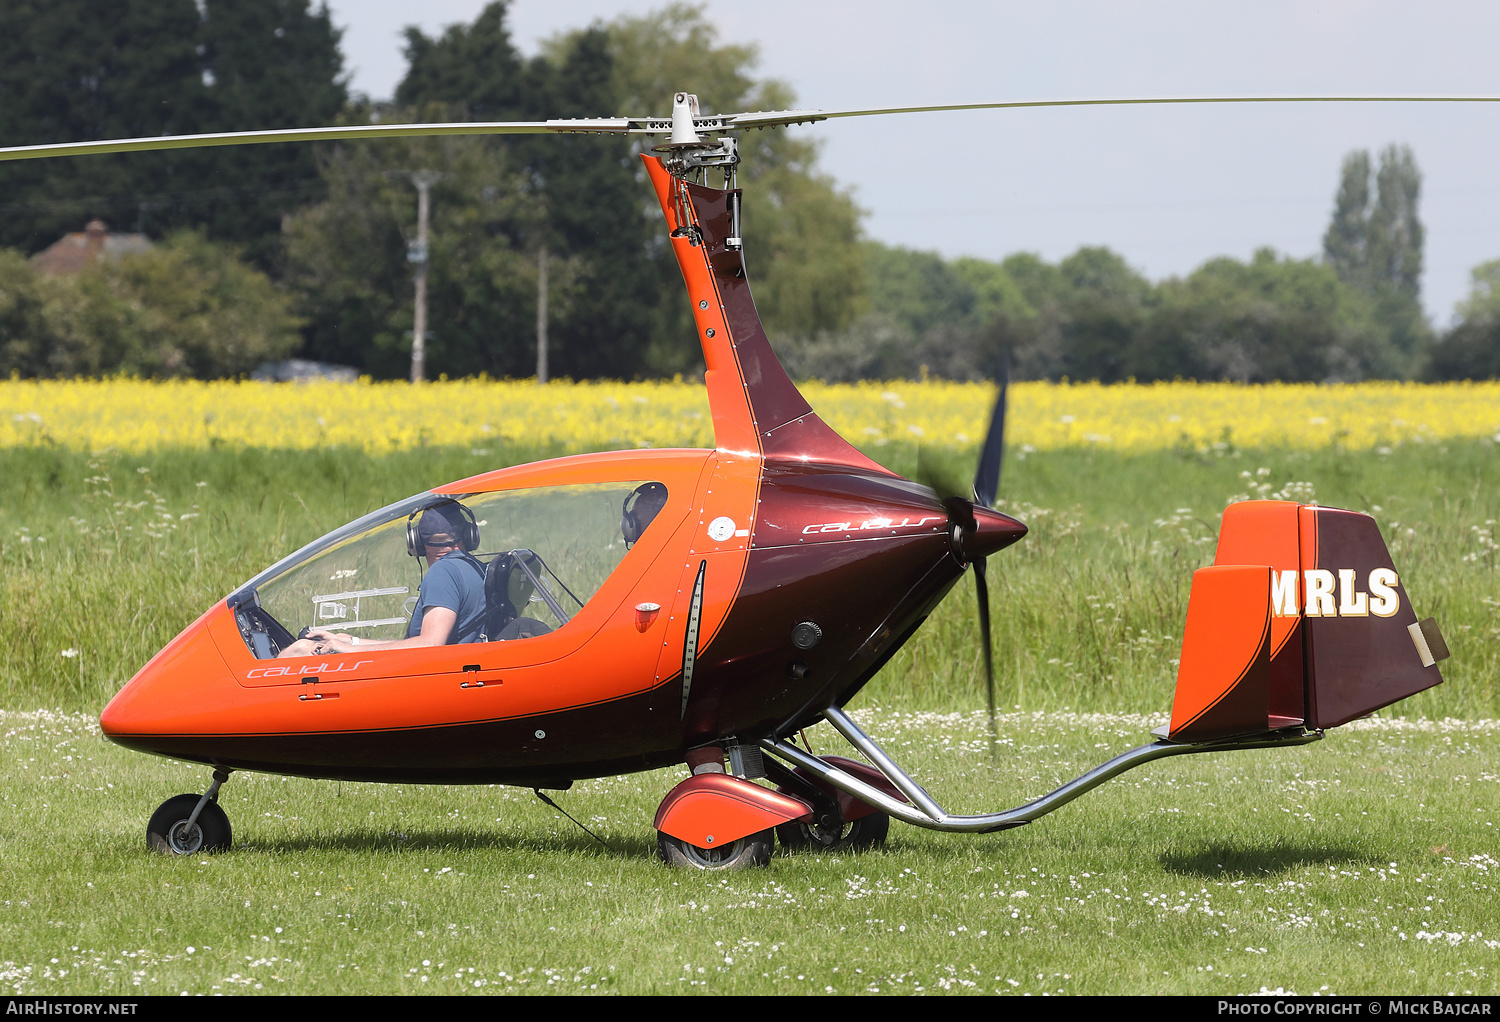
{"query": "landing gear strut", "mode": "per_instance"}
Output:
(849, 836)
(188, 824)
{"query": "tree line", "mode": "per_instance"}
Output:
(281, 250)
(1353, 314)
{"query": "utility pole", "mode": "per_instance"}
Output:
(541, 315)
(416, 253)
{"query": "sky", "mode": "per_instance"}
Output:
(1167, 187)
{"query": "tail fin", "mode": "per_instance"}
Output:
(1301, 620)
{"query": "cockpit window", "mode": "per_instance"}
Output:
(541, 554)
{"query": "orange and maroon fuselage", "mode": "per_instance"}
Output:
(783, 524)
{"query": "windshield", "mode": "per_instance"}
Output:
(541, 555)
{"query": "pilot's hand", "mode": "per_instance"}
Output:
(302, 647)
(331, 642)
(322, 641)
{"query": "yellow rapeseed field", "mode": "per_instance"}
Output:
(133, 416)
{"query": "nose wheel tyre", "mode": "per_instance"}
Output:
(754, 850)
(170, 834)
(852, 836)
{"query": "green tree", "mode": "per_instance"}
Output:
(26, 337)
(1272, 318)
(1269, 319)
(918, 290)
(475, 69)
(802, 238)
(1471, 350)
(267, 64)
(1030, 332)
(88, 69)
(1107, 304)
(994, 289)
(347, 258)
(73, 70)
(188, 307)
(1376, 247)
(589, 204)
(1079, 319)
(1395, 231)
(1483, 301)
(925, 316)
(1346, 244)
(584, 191)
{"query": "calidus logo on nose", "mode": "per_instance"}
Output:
(871, 523)
(323, 668)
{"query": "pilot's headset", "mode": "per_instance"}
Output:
(640, 509)
(446, 516)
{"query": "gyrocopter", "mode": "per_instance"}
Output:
(646, 608)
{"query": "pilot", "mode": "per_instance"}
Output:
(640, 509)
(450, 603)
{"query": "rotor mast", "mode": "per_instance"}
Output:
(689, 155)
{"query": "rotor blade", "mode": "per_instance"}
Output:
(1024, 104)
(783, 118)
(607, 125)
(982, 589)
(642, 125)
(987, 478)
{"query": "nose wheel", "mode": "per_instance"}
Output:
(745, 853)
(191, 824)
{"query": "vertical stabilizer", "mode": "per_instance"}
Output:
(1357, 620)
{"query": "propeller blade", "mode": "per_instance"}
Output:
(986, 487)
(981, 587)
(961, 514)
(987, 478)
(939, 477)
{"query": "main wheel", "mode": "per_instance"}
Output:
(754, 850)
(853, 836)
(169, 833)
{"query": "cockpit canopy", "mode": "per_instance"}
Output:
(545, 552)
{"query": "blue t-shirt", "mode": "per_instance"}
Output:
(455, 583)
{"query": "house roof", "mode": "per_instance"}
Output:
(72, 253)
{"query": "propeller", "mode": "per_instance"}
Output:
(961, 513)
(986, 486)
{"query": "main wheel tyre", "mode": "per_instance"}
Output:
(754, 850)
(169, 834)
(853, 836)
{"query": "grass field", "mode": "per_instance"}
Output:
(1362, 863)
